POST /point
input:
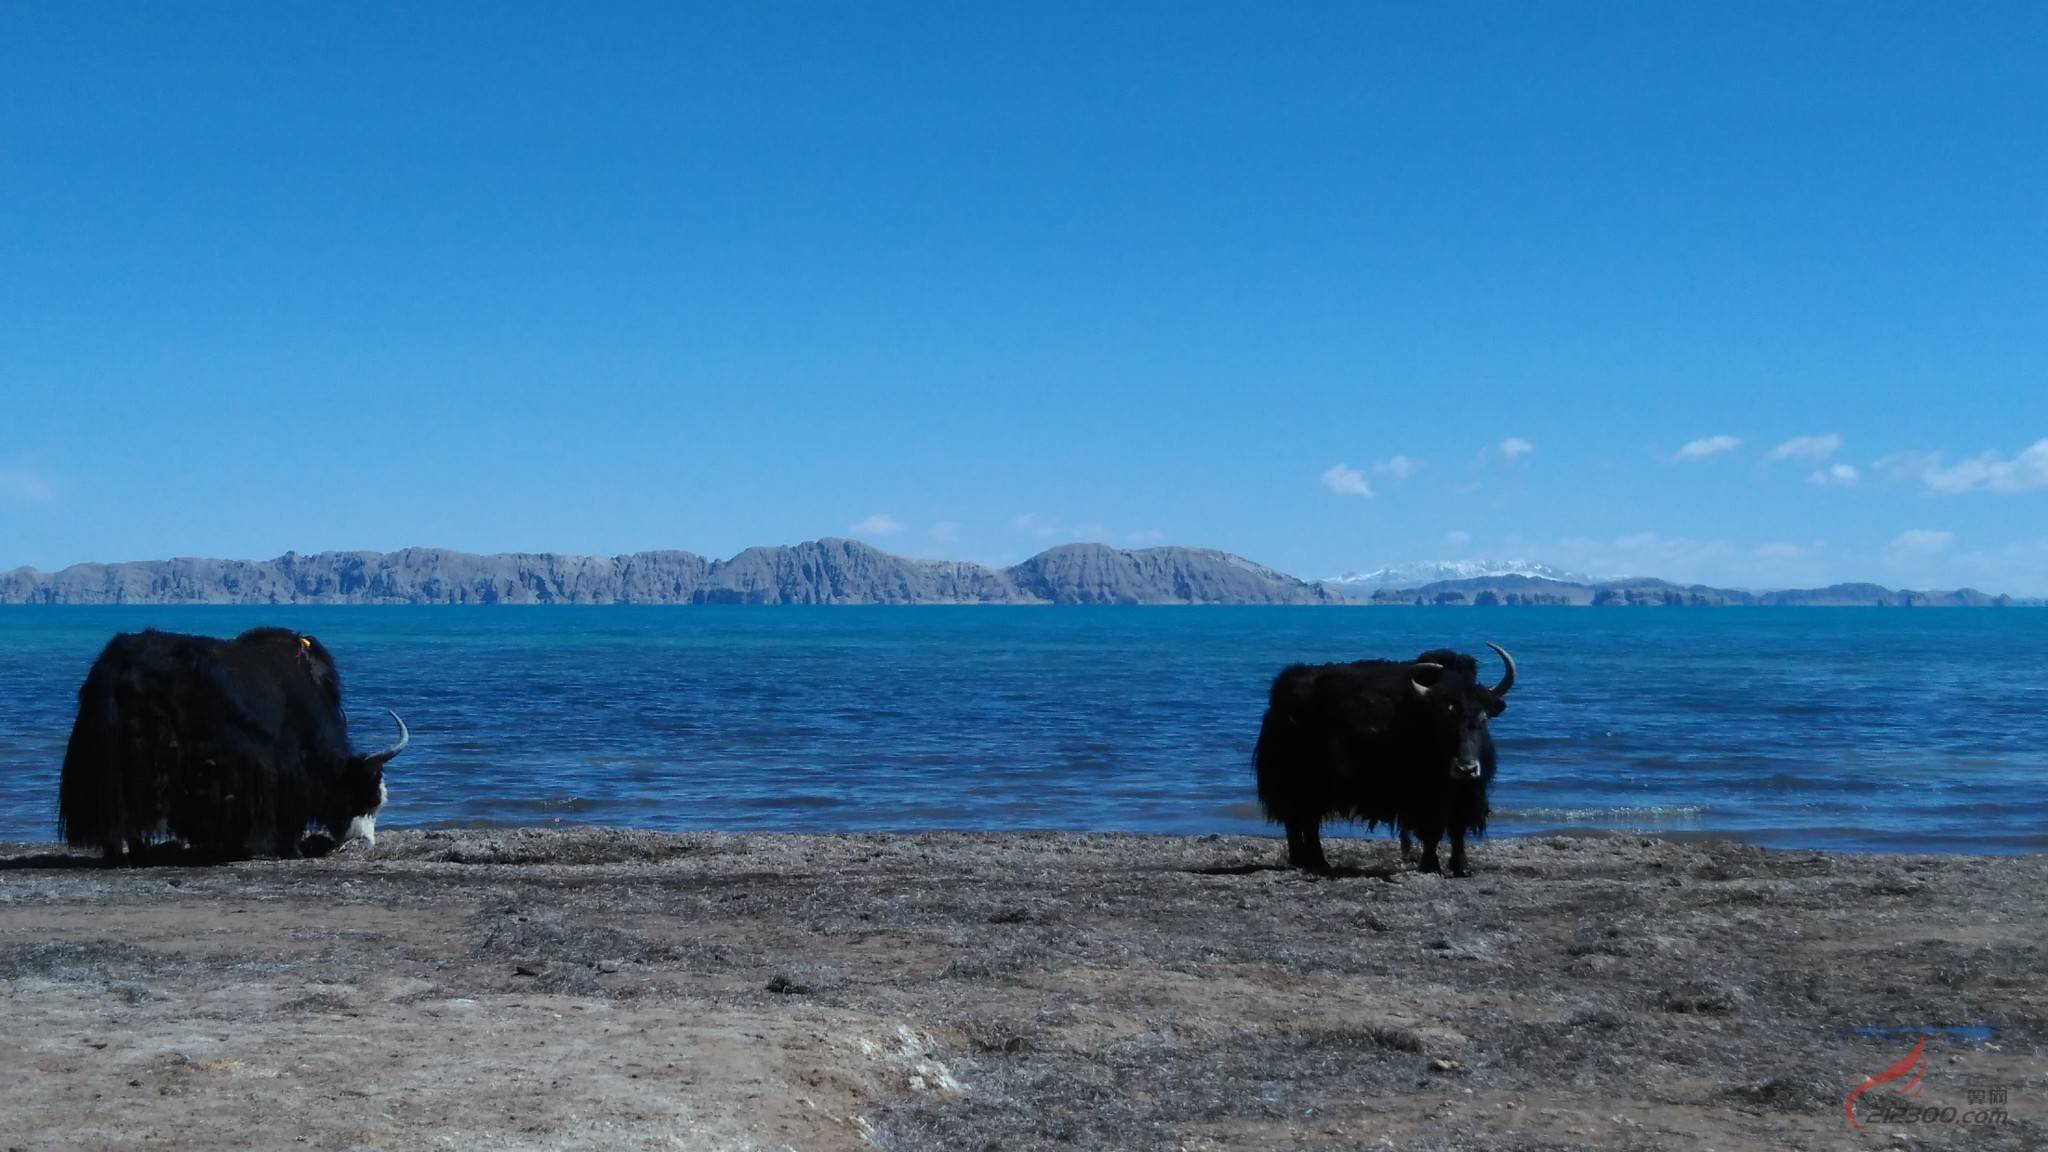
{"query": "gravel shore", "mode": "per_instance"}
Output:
(594, 988)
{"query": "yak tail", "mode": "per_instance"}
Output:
(90, 812)
(1277, 760)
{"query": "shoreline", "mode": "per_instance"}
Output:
(1769, 840)
(587, 987)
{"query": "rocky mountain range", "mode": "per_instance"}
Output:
(835, 571)
(818, 572)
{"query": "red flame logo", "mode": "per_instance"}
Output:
(1915, 1063)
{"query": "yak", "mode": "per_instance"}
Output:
(231, 746)
(1402, 743)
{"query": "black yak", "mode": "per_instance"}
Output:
(231, 746)
(1395, 742)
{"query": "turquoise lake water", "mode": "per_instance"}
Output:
(1859, 729)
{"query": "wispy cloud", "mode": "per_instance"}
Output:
(1681, 558)
(1987, 472)
(1708, 446)
(1808, 448)
(1145, 537)
(880, 524)
(2019, 567)
(1397, 467)
(1515, 446)
(1034, 525)
(1920, 542)
(1835, 476)
(1345, 480)
(22, 486)
(1457, 538)
(1049, 528)
(946, 531)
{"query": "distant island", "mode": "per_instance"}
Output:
(835, 571)
(1517, 590)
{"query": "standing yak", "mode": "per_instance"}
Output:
(1395, 742)
(232, 746)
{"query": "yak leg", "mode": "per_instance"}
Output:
(1305, 846)
(1429, 834)
(1407, 844)
(1458, 867)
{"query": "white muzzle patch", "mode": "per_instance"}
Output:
(363, 828)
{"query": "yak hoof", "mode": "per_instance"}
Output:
(1429, 865)
(1305, 863)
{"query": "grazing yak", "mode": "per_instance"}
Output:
(1395, 742)
(232, 746)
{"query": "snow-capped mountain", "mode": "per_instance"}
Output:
(1415, 575)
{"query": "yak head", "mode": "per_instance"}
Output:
(1447, 689)
(362, 784)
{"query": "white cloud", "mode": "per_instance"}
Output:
(1907, 465)
(946, 531)
(1706, 446)
(1808, 448)
(1398, 467)
(1345, 480)
(1835, 475)
(1989, 471)
(1515, 446)
(1145, 537)
(879, 524)
(1457, 538)
(1921, 542)
(21, 486)
(1779, 551)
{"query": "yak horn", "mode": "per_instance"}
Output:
(1422, 689)
(1507, 681)
(404, 738)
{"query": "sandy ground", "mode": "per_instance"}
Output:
(606, 989)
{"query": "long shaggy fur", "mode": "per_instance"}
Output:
(232, 746)
(1356, 742)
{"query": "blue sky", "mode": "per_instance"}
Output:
(1754, 294)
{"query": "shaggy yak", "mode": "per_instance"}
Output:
(1395, 742)
(232, 746)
